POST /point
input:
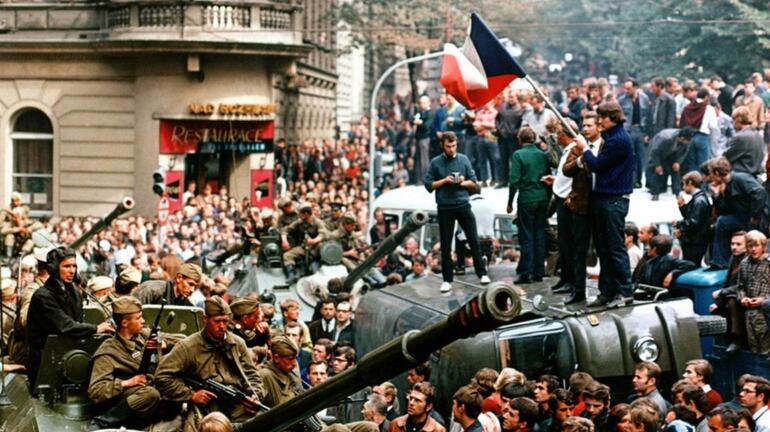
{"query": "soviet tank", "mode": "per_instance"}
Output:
(264, 274)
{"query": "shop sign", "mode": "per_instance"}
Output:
(191, 136)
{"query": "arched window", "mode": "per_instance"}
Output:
(32, 138)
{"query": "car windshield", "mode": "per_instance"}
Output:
(537, 349)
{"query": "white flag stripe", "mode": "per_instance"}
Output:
(474, 78)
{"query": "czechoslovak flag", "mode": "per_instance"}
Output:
(481, 70)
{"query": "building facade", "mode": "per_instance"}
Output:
(94, 97)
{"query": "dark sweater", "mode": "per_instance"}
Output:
(614, 165)
(452, 195)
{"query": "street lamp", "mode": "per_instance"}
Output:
(373, 117)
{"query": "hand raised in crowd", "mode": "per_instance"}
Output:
(581, 143)
(135, 381)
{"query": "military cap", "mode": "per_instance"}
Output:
(99, 283)
(244, 306)
(305, 206)
(126, 305)
(192, 271)
(8, 288)
(130, 275)
(283, 202)
(41, 254)
(29, 262)
(283, 346)
(215, 306)
(348, 218)
(266, 213)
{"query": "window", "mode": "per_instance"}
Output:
(32, 143)
(537, 349)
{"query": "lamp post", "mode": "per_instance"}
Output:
(373, 118)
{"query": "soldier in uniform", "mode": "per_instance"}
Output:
(334, 222)
(267, 223)
(248, 324)
(213, 353)
(8, 308)
(101, 288)
(127, 281)
(307, 232)
(176, 291)
(16, 227)
(279, 375)
(115, 377)
(349, 239)
(288, 213)
(18, 350)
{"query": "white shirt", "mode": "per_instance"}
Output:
(562, 185)
(634, 256)
(709, 121)
(762, 418)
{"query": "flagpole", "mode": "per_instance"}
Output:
(551, 106)
(373, 119)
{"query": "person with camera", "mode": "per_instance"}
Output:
(450, 174)
(57, 308)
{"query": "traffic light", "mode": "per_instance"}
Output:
(159, 181)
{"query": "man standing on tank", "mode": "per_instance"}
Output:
(450, 174)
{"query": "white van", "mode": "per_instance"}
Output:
(491, 218)
(488, 207)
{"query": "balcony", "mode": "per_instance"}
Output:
(256, 26)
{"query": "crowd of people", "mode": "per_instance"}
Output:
(706, 140)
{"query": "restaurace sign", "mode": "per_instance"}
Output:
(203, 136)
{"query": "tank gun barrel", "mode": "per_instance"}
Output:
(489, 309)
(126, 204)
(388, 245)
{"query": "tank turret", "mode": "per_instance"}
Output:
(497, 305)
(387, 246)
(126, 204)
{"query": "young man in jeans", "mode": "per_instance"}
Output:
(450, 174)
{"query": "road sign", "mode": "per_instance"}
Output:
(163, 206)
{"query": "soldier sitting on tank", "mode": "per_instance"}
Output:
(176, 292)
(8, 309)
(128, 280)
(278, 375)
(288, 213)
(334, 220)
(101, 287)
(306, 233)
(115, 377)
(213, 353)
(349, 239)
(16, 227)
(18, 349)
(57, 308)
(247, 324)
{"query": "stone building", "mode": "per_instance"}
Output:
(95, 96)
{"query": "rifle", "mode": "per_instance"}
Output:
(234, 396)
(144, 366)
